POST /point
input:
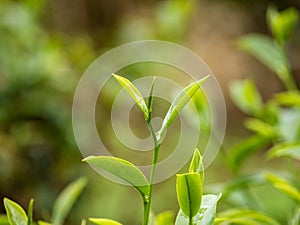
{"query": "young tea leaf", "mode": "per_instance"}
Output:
(122, 169)
(245, 95)
(285, 150)
(261, 128)
(150, 100)
(196, 165)
(100, 221)
(165, 218)
(15, 213)
(205, 215)
(43, 223)
(284, 186)
(66, 200)
(30, 212)
(288, 98)
(282, 24)
(178, 104)
(189, 193)
(134, 93)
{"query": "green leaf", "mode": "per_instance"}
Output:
(270, 54)
(66, 200)
(245, 95)
(43, 223)
(205, 215)
(282, 24)
(284, 186)
(15, 213)
(4, 220)
(178, 104)
(83, 222)
(285, 150)
(165, 218)
(189, 193)
(289, 124)
(101, 221)
(246, 217)
(150, 100)
(243, 149)
(30, 212)
(196, 165)
(261, 128)
(296, 218)
(289, 98)
(134, 93)
(122, 169)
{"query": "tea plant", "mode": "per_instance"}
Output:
(275, 124)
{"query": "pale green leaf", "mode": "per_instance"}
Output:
(178, 104)
(262, 128)
(122, 169)
(205, 215)
(270, 54)
(15, 213)
(245, 95)
(244, 217)
(284, 186)
(196, 165)
(100, 221)
(30, 212)
(134, 93)
(189, 193)
(66, 200)
(285, 150)
(165, 218)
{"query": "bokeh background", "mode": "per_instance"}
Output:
(45, 47)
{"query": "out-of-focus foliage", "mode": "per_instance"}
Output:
(39, 71)
(275, 124)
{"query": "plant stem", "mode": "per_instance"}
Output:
(147, 201)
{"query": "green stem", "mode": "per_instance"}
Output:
(147, 201)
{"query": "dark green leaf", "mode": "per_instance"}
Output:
(134, 93)
(122, 169)
(100, 221)
(66, 200)
(15, 213)
(178, 104)
(30, 212)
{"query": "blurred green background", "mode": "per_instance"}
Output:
(45, 47)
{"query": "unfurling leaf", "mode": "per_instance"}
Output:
(196, 165)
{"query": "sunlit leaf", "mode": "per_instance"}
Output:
(15, 213)
(66, 200)
(189, 193)
(165, 218)
(282, 24)
(134, 93)
(284, 186)
(261, 127)
(100, 221)
(289, 98)
(244, 217)
(122, 169)
(196, 165)
(285, 150)
(245, 95)
(3, 220)
(178, 104)
(43, 223)
(206, 214)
